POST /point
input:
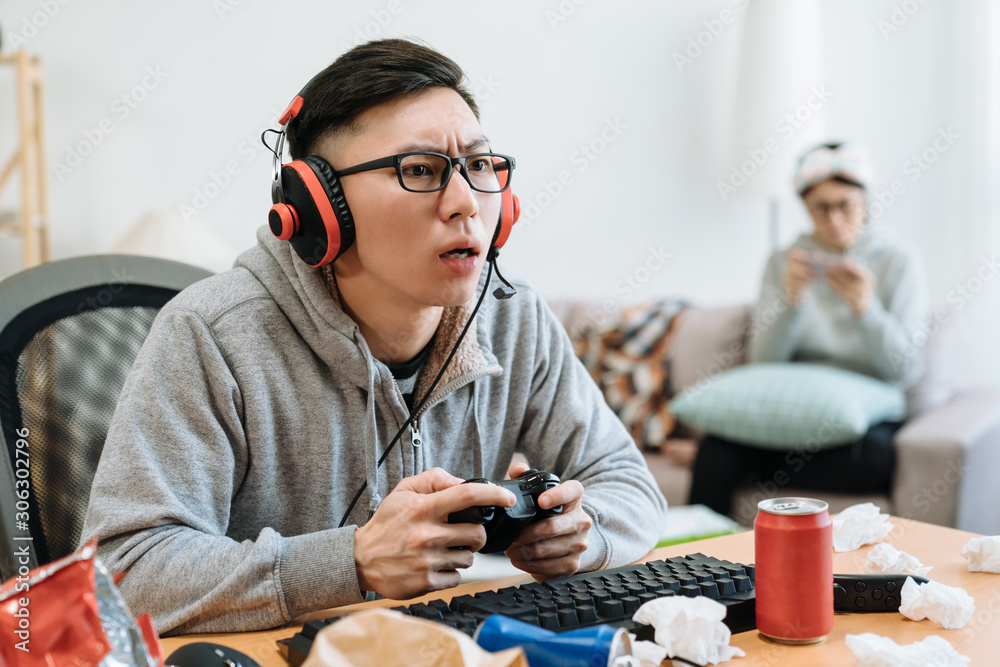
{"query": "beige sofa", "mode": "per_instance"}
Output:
(948, 453)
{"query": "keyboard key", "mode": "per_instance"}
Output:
(709, 589)
(586, 614)
(548, 620)
(567, 618)
(631, 604)
(610, 610)
(690, 590)
(617, 592)
(726, 587)
(743, 583)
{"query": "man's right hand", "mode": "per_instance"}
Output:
(407, 548)
(798, 274)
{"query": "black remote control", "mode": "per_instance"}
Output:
(504, 524)
(864, 593)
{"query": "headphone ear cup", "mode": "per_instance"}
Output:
(323, 225)
(283, 221)
(510, 211)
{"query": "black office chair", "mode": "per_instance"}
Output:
(69, 333)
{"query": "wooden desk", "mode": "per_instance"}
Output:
(933, 545)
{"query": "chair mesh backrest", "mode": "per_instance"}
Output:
(68, 380)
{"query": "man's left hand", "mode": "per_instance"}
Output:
(552, 547)
(854, 283)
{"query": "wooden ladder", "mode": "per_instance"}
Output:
(31, 221)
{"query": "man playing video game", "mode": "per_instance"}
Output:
(281, 444)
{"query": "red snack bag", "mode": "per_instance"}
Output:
(61, 614)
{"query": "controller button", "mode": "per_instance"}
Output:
(839, 594)
(890, 586)
(859, 586)
(877, 594)
(860, 602)
(891, 602)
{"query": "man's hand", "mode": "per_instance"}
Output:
(407, 548)
(552, 547)
(854, 283)
(797, 275)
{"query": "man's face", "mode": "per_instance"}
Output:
(402, 238)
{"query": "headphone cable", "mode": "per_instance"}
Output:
(491, 260)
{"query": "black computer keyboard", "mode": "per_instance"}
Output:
(584, 599)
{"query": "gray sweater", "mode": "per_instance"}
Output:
(255, 411)
(823, 329)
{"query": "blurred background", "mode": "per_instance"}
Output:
(655, 140)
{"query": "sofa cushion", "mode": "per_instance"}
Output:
(708, 341)
(786, 405)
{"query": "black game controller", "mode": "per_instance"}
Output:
(504, 524)
(865, 593)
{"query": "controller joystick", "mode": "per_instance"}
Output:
(504, 524)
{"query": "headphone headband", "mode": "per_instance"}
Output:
(308, 205)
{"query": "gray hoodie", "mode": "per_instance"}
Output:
(822, 328)
(255, 411)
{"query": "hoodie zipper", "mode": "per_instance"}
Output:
(415, 438)
(415, 428)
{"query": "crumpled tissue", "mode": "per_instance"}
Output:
(859, 524)
(983, 554)
(689, 628)
(887, 559)
(948, 606)
(360, 640)
(871, 650)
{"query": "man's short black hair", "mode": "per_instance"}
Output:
(364, 77)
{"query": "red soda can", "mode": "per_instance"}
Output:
(793, 554)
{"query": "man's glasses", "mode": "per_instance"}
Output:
(430, 172)
(824, 209)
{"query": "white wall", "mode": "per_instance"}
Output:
(551, 77)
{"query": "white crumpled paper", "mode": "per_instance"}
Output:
(948, 606)
(859, 524)
(983, 554)
(689, 628)
(871, 650)
(887, 559)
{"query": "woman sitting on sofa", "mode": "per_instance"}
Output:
(847, 295)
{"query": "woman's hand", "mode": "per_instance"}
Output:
(854, 283)
(797, 276)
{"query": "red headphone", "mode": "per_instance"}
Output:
(309, 209)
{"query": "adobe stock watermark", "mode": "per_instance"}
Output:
(32, 25)
(958, 297)
(122, 107)
(220, 179)
(786, 126)
(882, 199)
(898, 17)
(562, 12)
(756, 326)
(696, 44)
(629, 284)
(376, 26)
(224, 7)
(796, 459)
(581, 158)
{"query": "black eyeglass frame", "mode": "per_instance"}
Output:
(396, 161)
